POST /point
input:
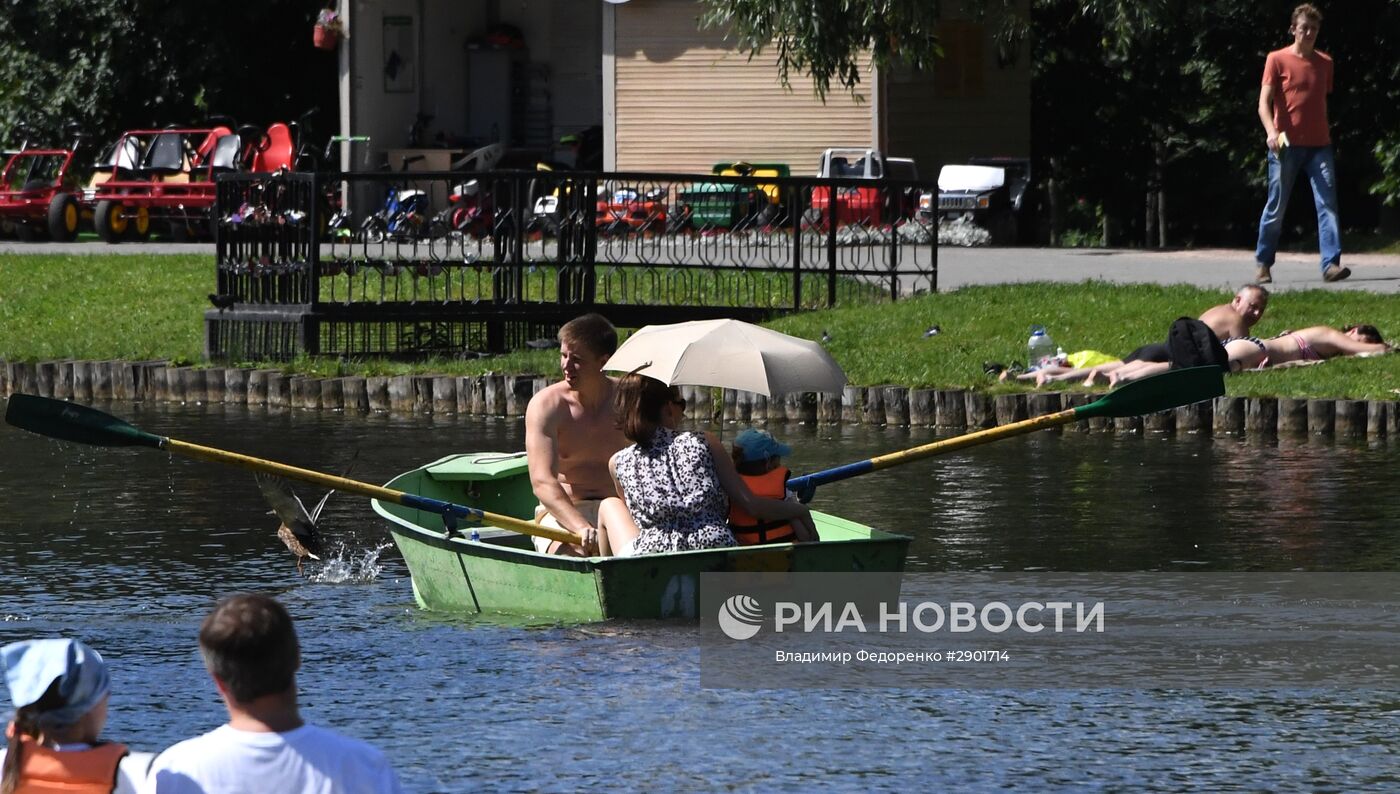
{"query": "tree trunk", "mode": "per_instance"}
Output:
(1149, 219)
(1159, 172)
(1161, 219)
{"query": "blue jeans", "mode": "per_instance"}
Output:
(1316, 161)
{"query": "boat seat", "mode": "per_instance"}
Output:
(479, 466)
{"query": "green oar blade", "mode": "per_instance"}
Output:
(73, 422)
(1171, 389)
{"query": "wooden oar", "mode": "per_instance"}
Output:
(1170, 389)
(73, 422)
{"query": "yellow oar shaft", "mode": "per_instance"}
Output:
(973, 439)
(186, 449)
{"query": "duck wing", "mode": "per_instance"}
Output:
(321, 505)
(284, 502)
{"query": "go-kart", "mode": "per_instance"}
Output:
(37, 191)
(632, 210)
(155, 176)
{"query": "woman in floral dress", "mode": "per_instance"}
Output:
(676, 486)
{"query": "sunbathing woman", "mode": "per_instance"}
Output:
(1228, 320)
(1052, 373)
(1318, 343)
(1313, 344)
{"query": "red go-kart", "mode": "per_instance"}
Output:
(629, 210)
(37, 193)
(154, 176)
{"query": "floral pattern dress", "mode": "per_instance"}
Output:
(671, 488)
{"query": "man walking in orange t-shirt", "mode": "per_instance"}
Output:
(1293, 108)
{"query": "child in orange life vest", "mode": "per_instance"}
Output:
(60, 689)
(758, 459)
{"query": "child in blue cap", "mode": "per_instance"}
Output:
(758, 457)
(59, 688)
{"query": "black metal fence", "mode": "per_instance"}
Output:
(449, 264)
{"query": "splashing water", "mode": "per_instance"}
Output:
(350, 565)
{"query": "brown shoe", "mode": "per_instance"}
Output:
(1335, 273)
(1263, 277)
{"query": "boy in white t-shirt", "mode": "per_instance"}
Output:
(251, 651)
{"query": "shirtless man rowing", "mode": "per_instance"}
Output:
(570, 434)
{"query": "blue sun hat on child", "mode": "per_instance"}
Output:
(32, 666)
(758, 445)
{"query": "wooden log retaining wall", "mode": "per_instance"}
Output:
(507, 395)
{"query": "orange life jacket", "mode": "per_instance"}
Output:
(46, 771)
(748, 530)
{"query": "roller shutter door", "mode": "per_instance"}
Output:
(685, 101)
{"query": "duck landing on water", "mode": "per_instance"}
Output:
(298, 527)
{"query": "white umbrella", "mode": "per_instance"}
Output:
(728, 354)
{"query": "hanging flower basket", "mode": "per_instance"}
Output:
(326, 33)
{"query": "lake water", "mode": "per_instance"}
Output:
(127, 549)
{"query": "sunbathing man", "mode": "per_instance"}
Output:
(1290, 348)
(1228, 321)
(571, 432)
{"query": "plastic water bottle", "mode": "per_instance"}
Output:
(1041, 348)
(475, 536)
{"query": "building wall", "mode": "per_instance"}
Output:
(685, 100)
(675, 98)
(383, 116)
(565, 73)
(973, 104)
(576, 67)
(446, 27)
(562, 91)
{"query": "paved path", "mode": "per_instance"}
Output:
(957, 267)
(1225, 268)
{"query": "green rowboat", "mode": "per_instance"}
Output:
(500, 571)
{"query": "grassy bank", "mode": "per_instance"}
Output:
(102, 307)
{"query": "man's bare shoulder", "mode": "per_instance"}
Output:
(554, 392)
(1224, 320)
(549, 401)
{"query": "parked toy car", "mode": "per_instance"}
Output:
(992, 191)
(875, 205)
(630, 209)
(727, 205)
